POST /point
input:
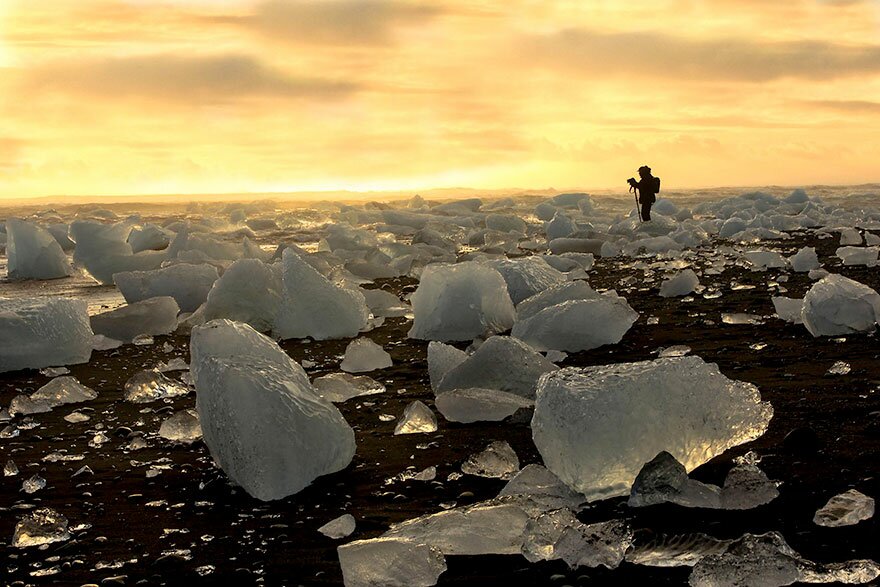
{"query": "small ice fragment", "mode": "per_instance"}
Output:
(846, 509)
(76, 417)
(497, 461)
(387, 418)
(142, 340)
(182, 427)
(556, 356)
(479, 405)
(680, 284)
(42, 526)
(740, 318)
(788, 309)
(678, 350)
(175, 364)
(54, 371)
(390, 562)
(417, 418)
(560, 535)
(84, 470)
(747, 487)
(307, 364)
(10, 469)
(364, 355)
(149, 386)
(850, 236)
(804, 260)
(840, 368)
(34, 484)
(838, 305)
(341, 527)
(543, 487)
(341, 387)
(758, 346)
(98, 439)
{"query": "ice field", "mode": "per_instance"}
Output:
(534, 390)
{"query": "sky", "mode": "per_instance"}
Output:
(216, 96)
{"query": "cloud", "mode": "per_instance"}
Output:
(333, 22)
(178, 78)
(849, 106)
(656, 55)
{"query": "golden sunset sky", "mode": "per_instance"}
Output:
(208, 96)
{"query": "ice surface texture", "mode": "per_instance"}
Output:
(187, 284)
(37, 333)
(261, 419)
(151, 316)
(103, 251)
(314, 307)
(460, 302)
(838, 305)
(390, 562)
(595, 427)
(33, 253)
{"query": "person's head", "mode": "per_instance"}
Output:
(644, 171)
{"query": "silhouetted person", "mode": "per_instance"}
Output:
(646, 190)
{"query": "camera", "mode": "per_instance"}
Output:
(632, 181)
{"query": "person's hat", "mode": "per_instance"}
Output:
(645, 168)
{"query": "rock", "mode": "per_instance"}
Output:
(33, 253)
(390, 562)
(665, 480)
(188, 284)
(836, 305)
(460, 302)
(364, 355)
(45, 332)
(314, 307)
(846, 509)
(153, 316)
(595, 427)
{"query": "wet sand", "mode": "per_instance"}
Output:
(160, 530)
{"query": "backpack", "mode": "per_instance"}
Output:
(656, 185)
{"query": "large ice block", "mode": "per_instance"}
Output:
(33, 253)
(187, 284)
(838, 305)
(595, 427)
(46, 332)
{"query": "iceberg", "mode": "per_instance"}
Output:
(460, 302)
(47, 332)
(33, 253)
(837, 305)
(187, 284)
(595, 427)
(314, 307)
(152, 316)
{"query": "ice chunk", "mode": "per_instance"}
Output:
(559, 246)
(493, 527)
(804, 260)
(681, 284)
(577, 325)
(33, 253)
(33, 484)
(385, 304)
(266, 427)
(150, 385)
(152, 316)
(103, 251)
(765, 259)
(225, 339)
(37, 333)
(41, 526)
(249, 291)
(417, 418)
(788, 309)
(560, 535)
(846, 509)
(505, 223)
(675, 551)
(442, 358)
(839, 368)
(850, 236)
(858, 255)
(187, 284)
(527, 276)
(59, 391)
(364, 355)
(340, 527)
(341, 387)
(766, 560)
(10, 469)
(496, 461)
(182, 427)
(746, 487)
(665, 480)
(597, 426)
(479, 405)
(460, 302)
(149, 238)
(314, 307)
(390, 562)
(740, 318)
(561, 226)
(837, 305)
(502, 363)
(543, 487)
(564, 292)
